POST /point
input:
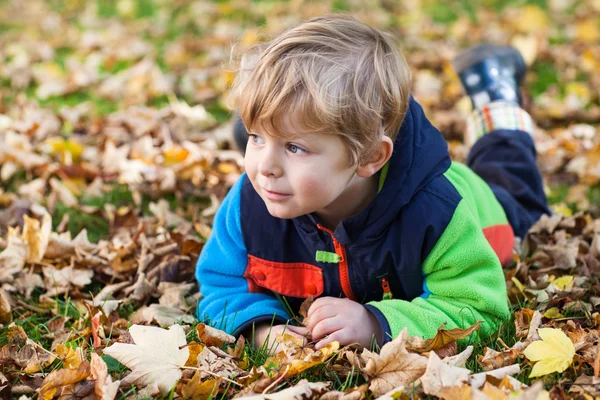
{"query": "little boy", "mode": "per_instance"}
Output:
(350, 195)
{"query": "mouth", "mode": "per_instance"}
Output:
(275, 195)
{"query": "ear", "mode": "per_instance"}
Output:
(378, 160)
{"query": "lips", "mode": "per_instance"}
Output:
(275, 195)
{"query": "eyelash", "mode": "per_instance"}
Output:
(303, 150)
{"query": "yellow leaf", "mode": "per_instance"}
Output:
(579, 90)
(531, 19)
(69, 150)
(72, 358)
(587, 31)
(552, 313)
(62, 377)
(554, 353)
(564, 282)
(175, 155)
(195, 389)
(527, 46)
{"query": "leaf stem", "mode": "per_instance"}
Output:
(276, 381)
(213, 374)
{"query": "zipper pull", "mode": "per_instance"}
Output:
(327, 257)
(387, 293)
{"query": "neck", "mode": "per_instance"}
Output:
(359, 193)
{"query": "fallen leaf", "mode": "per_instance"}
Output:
(72, 357)
(213, 337)
(163, 315)
(394, 366)
(104, 386)
(302, 391)
(62, 377)
(156, 357)
(195, 389)
(439, 375)
(554, 353)
(442, 338)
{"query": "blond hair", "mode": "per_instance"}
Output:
(338, 75)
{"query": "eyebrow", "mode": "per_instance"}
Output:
(304, 137)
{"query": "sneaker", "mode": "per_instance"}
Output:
(491, 73)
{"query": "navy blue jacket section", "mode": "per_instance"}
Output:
(506, 160)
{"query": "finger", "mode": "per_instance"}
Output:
(327, 327)
(319, 303)
(335, 336)
(300, 330)
(324, 312)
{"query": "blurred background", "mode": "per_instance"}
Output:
(122, 102)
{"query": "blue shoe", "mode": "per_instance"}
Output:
(491, 73)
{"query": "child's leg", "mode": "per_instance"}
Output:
(499, 131)
(505, 157)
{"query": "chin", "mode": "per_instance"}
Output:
(277, 212)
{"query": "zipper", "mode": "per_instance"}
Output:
(342, 264)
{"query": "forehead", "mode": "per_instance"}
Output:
(292, 126)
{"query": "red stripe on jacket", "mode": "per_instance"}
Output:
(502, 239)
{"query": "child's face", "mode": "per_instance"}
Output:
(300, 175)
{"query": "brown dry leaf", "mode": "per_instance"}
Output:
(5, 388)
(305, 306)
(478, 380)
(440, 374)
(493, 359)
(394, 366)
(304, 390)
(163, 315)
(442, 338)
(457, 392)
(213, 337)
(62, 377)
(355, 393)
(195, 389)
(218, 363)
(315, 358)
(36, 236)
(60, 281)
(586, 384)
(156, 357)
(5, 308)
(195, 350)
(104, 386)
(16, 335)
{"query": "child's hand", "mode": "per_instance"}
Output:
(343, 320)
(264, 332)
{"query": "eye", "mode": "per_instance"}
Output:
(296, 149)
(255, 138)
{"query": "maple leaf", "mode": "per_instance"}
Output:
(394, 366)
(156, 356)
(554, 353)
(439, 375)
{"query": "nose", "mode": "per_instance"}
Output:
(269, 164)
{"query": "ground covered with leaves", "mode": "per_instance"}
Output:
(115, 153)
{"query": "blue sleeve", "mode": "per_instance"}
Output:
(227, 303)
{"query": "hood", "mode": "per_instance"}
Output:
(420, 155)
